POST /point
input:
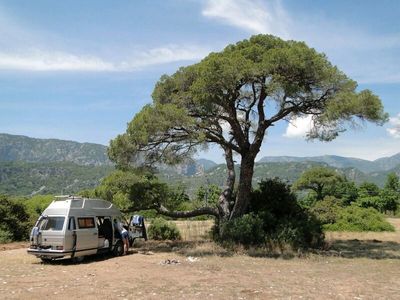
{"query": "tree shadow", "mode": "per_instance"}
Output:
(374, 249)
(185, 248)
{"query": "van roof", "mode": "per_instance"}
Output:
(76, 205)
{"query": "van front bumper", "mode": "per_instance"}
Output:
(48, 253)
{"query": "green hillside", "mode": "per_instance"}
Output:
(29, 166)
(288, 171)
(366, 166)
(22, 178)
(22, 148)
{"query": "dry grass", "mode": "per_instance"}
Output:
(381, 236)
(194, 230)
(212, 272)
(376, 245)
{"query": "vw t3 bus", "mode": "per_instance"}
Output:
(74, 227)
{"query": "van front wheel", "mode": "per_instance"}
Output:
(118, 248)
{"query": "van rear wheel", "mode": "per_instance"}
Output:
(118, 248)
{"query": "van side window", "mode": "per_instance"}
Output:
(71, 223)
(86, 223)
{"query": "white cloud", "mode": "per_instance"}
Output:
(25, 48)
(394, 131)
(299, 127)
(45, 60)
(163, 55)
(52, 61)
(254, 16)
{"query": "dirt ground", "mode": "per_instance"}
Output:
(356, 266)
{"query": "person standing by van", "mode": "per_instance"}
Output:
(124, 234)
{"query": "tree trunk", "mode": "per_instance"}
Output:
(226, 195)
(245, 184)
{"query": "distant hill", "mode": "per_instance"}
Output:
(287, 171)
(22, 148)
(366, 166)
(387, 163)
(195, 167)
(206, 164)
(29, 165)
(22, 178)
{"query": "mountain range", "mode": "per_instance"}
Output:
(366, 166)
(23, 148)
(30, 165)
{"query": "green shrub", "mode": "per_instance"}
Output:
(369, 201)
(160, 229)
(326, 210)
(246, 230)
(5, 236)
(303, 231)
(384, 202)
(14, 219)
(355, 218)
(274, 218)
(36, 205)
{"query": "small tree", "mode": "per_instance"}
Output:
(368, 189)
(317, 179)
(208, 195)
(392, 182)
(231, 99)
(388, 200)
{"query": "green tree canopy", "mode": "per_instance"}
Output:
(232, 98)
(134, 190)
(318, 179)
(368, 189)
(392, 182)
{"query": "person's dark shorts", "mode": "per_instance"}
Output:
(125, 235)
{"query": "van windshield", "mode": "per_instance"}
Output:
(52, 223)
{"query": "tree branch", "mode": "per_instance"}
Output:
(186, 214)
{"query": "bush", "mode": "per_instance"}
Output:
(160, 229)
(5, 236)
(326, 210)
(36, 205)
(274, 218)
(355, 218)
(303, 231)
(385, 201)
(246, 230)
(14, 219)
(285, 221)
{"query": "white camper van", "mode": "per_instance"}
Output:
(73, 227)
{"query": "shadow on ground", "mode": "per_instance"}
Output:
(374, 249)
(187, 248)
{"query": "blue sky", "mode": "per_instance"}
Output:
(80, 70)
